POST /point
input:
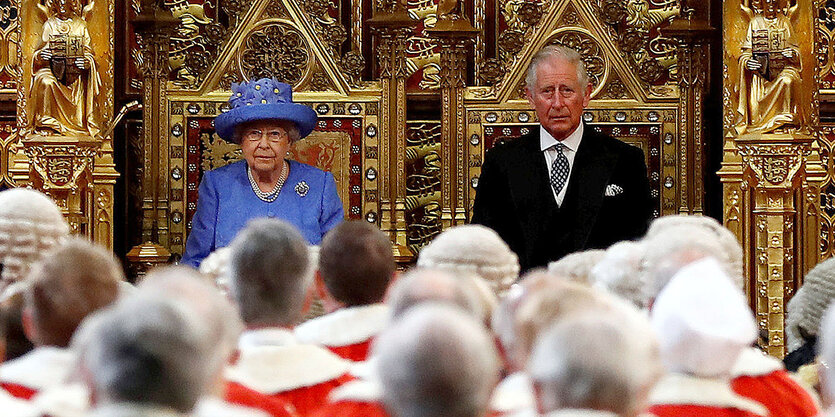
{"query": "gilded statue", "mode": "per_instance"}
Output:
(65, 81)
(770, 65)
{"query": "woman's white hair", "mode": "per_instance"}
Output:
(807, 306)
(473, 249)
(619, 272)
(30, 224)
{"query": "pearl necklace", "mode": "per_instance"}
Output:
(273, 194)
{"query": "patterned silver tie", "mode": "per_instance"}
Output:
(559, 169)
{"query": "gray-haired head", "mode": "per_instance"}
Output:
(269, 273)
(557, 52)
(145, 350)
(595, 361)
(436, 361)
(422, 285)
(195, 291)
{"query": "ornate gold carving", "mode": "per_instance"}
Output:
(9, 38)
(423, 183)
(275, 49)
(218, 152)
(195, 42)
(590, 49)
(65, 84)
(770, 62)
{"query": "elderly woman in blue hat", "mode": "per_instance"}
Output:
(265, 122)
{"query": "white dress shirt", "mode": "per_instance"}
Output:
(570, 146)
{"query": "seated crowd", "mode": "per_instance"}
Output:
(655, 327)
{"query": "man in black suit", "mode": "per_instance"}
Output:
(563, 187)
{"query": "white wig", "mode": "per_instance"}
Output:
(726, 239)
(577, 266)
(596, 360)
(620, 272)
(807, 306)
(474, 249)
(436, 361)
(673, 248)
(146, 350)
(826, 349)
(30, 224)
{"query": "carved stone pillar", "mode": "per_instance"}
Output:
(454, 34)
(771, 169)
(392, 25)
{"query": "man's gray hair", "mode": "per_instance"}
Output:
(269, 273)
(436, 361)
(422, 285)
(557, 52)
(145, 350)
(196, 292)
(595, 361)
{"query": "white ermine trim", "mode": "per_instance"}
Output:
(15, 407)
(753, 362)
(515, 392)
(679, 389)
(343, 327)
(64, 400)
(271, 336)
(575, 412)
(274, 369)
(215, 407)
(358, 390)
(38, 369)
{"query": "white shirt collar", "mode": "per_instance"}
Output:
(572, 142)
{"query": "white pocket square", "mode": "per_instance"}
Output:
(613, 190)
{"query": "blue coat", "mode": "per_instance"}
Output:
(226, 203)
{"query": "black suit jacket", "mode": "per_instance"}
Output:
(514, 197)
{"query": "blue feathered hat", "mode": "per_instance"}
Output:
(264, 99)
